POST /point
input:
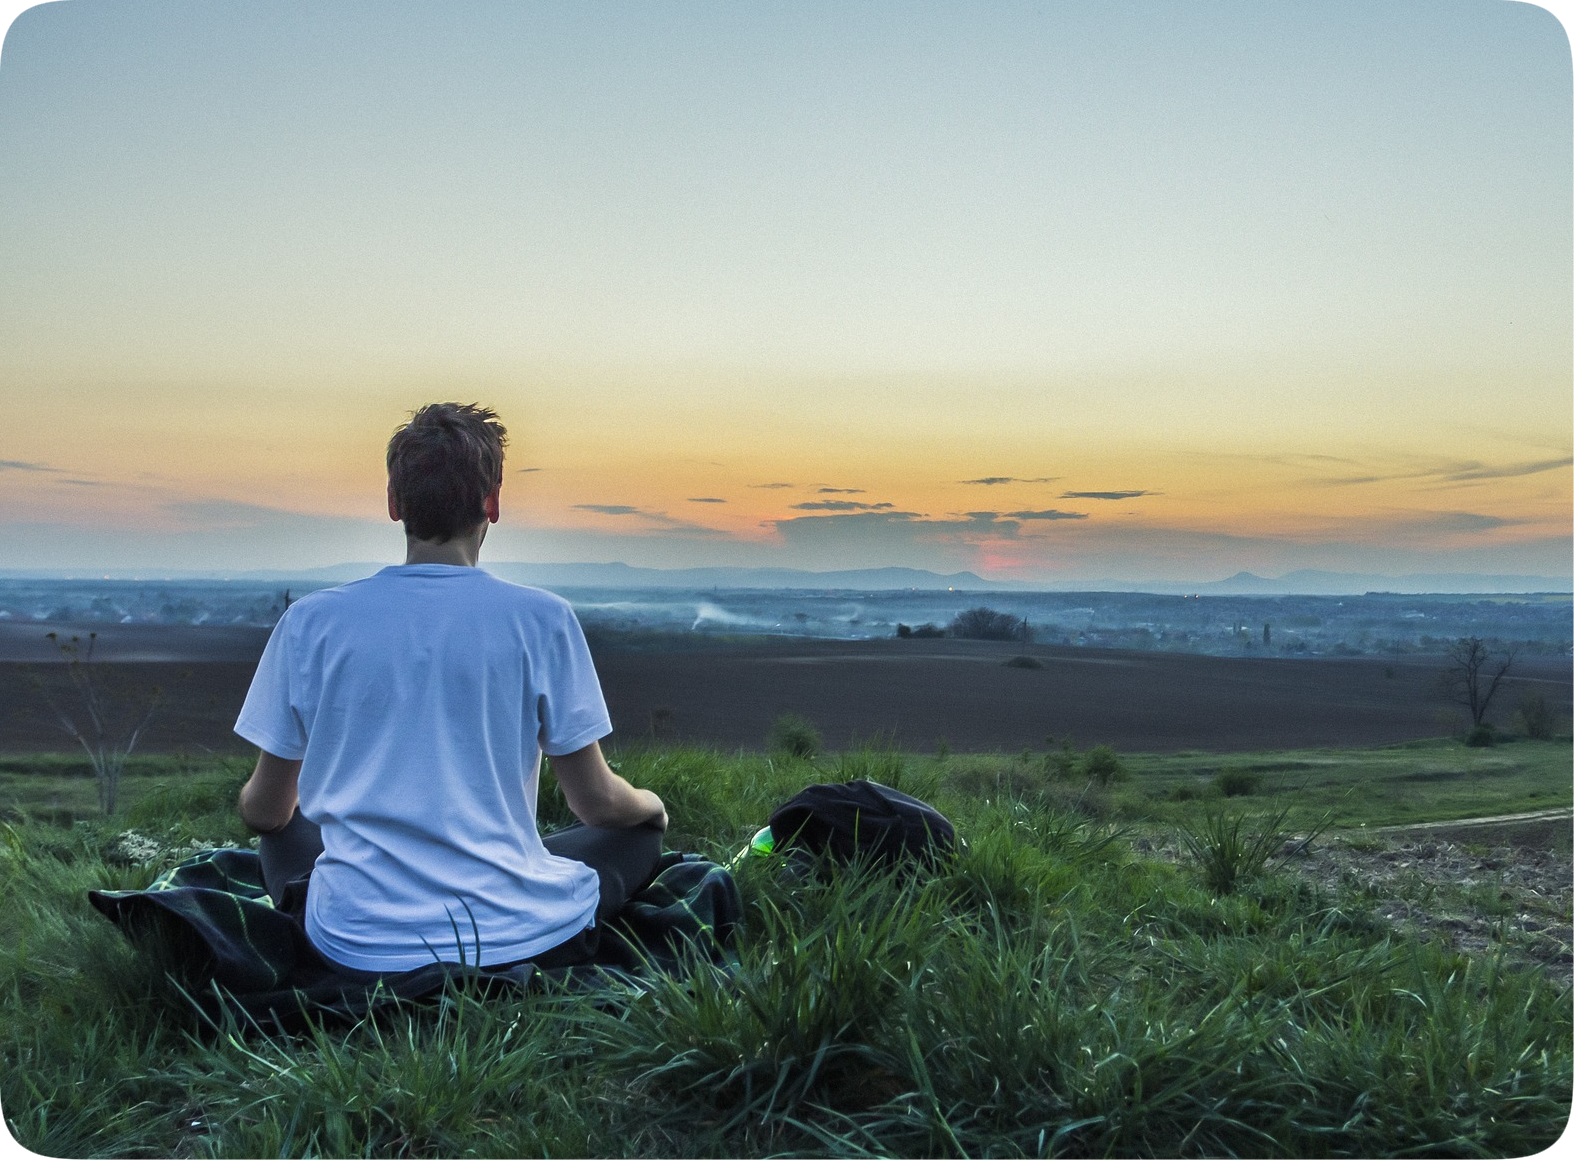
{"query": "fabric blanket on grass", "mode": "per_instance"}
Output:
(210, 924)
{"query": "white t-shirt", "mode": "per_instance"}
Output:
(420, 701)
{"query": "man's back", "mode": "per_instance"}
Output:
(419, 701)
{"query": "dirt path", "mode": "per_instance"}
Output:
(1532, 831)
(1481, 885)
(1486, 820)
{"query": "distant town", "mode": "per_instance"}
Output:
(1369, 624)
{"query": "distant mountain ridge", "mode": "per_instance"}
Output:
(617, 575)
(623, 576)
(1309, 582)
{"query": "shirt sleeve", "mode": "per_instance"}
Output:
(269, 719)
(571, 708)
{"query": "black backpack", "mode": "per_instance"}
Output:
(850, 820)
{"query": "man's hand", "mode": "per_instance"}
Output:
(599, 797)
(269, 798)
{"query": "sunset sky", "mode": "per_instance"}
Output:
(1049, 291)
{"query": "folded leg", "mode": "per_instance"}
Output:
(624, 859)
(288, 854)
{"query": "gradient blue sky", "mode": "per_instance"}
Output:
(1048, 291)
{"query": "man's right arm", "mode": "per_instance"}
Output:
(270, 795)
(600, 797)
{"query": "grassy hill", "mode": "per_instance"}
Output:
(1057, 990)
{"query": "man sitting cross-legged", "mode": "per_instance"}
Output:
(402, 719)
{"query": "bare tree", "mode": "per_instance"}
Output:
(105, 721)
(1475, 672)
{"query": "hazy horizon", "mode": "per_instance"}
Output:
(1115, 292)
(617, 575)
(181, 619)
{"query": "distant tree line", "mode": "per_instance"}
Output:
(979, 624)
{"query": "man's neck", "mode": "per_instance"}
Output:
(462, 550)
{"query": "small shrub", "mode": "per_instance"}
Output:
(1227, 853)
(1102, 766)
(1023, 662)
(1238, 783)
(1481, 735)
(928, 629)
(1061, 763)
(985, 624)
(794, 735)
(1185, 792)
(1534, 717)
(1224, 854)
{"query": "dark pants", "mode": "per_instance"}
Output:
(624, 859)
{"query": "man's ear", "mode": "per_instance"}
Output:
(489, 505)
(393, 504)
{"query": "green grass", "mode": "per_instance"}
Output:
(1228, 849)
(1050, 992)
(1426, 781)
(1415, 782)
(60, 787)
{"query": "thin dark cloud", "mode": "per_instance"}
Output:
(31, 466)
(233, 514)
(1047, 514)
(1294, 459)
(991, 480)
(706, 500)
(675, 524)
(522, 471)
(1006, 523)
(26, 466)
(1429, 473)
(1443, 474)
(840, 506)
(661, 519)
(1508, 471)
(1104, 495)
(1446, 522)
(833, 491)
(772, 485)
(850, 520)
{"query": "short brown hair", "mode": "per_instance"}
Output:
(441, 466)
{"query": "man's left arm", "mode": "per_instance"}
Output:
(270, 796)
(599, 797)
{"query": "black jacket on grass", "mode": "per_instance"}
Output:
(862, 820)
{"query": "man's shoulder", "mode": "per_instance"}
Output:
(387, 589)
(320, 600)
(525, 597)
